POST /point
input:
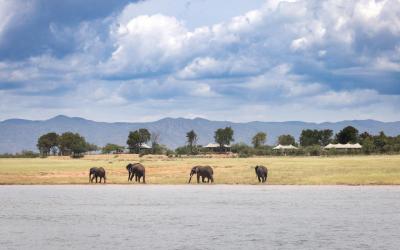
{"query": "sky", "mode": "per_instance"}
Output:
(274, 60)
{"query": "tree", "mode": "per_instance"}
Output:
(90, 147)
(346, 135)
(286, 140)
(72, 144)
(155, 138)
(191, 140)
(311, 137)
(326, 137)
(380, 141)
(48, 143)
(137, 138)
(223, 136)
(259, 139)
(109, 148)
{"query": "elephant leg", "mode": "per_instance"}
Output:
(203, 179)
(140, 177)
(144, 179)
(259, 178)
(129, 176)
(136, 178)
(91, 180)
(212, 179)
(198, 178)
(96, 179)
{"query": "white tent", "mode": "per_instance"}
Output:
(215, 145)
(144, 146)
(343, 146)
(285, 147)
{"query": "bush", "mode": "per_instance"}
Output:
(23, 154)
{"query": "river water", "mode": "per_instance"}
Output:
(199, 217)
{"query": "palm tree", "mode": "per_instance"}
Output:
(191, 140)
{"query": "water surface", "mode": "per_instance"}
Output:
(199, 217)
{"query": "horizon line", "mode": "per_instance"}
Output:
(192, 119)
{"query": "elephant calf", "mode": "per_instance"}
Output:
(96, 172)
(136, 170)
(262, 173)
(203, 172)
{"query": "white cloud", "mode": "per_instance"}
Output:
(12, 13)
(283, 52)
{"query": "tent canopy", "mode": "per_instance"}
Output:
(215, 145)
(343, 146)
(285, 147)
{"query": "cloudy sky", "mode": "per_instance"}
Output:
(120, 60)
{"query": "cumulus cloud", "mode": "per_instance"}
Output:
(312, 55)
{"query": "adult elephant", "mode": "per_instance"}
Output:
(136, 170)
(262, 173)
(95, 173)
(203, 172)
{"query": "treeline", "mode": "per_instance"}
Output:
(310, 142)
(68, 144)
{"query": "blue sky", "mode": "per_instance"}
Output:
(275, 60)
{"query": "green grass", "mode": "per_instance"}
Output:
(347, 170)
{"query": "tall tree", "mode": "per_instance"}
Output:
(72, 144)
(155, 141)
(309, 137)
(286, 140)
(348, 134)
(325, 137)
(137, 138)
(48, 143)
(223, 136)
(191, 137)
(259, 139)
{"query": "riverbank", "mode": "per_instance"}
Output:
(343, 170)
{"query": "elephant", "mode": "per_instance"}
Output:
(262, 173)
(96, 172)
(137, 170)
(203, 172)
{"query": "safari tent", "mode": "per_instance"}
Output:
(214, 147)
(285, 147)
(343, 146)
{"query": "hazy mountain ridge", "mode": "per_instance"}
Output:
(20, 134)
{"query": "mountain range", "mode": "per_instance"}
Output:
(19, 134)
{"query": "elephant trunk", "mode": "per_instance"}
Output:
(89, 178)
(190, 178)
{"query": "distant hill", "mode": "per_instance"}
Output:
(18, 134)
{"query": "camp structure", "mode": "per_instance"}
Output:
(144, 146)
(284, 147)
(214, 147)
(343, 146)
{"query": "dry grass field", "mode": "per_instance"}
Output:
(344, 170)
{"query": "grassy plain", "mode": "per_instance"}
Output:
(345, 170)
